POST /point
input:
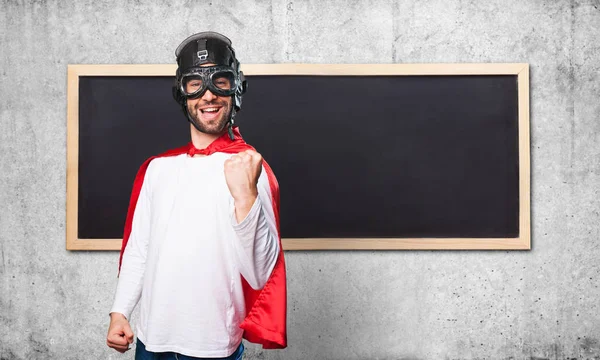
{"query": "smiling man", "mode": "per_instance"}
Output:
(201, 249)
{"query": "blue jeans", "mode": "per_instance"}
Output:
(142, 354)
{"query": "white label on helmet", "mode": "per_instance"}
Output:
(203, 55)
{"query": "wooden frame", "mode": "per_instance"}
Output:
(523, 242)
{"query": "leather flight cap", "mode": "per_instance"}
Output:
(205, 47)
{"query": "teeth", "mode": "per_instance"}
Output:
(210, 110)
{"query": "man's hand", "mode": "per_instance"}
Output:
(241, 173)
(119, 333)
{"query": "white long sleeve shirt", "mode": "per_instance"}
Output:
(185, 255)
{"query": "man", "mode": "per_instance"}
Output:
(201, 250)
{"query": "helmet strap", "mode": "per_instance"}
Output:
(230, 125)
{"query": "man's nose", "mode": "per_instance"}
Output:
(208, 96)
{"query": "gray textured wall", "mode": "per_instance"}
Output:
(342, 305)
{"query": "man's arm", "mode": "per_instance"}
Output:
(129, 287)
(253, 218)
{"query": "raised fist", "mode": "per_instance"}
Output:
(241, 173)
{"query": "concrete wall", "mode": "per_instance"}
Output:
(342, 305)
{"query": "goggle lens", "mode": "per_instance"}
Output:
(192, 84)
(223, 80)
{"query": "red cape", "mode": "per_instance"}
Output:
(265, 321)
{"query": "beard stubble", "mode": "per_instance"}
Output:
(214, 127)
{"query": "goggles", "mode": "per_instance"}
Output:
(220, 80)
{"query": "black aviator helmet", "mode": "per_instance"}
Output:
(224, 78)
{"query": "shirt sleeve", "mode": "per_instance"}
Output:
(257, 243)
(131, 277)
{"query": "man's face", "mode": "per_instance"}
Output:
(210, 112)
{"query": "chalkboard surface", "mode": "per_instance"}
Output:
(400, 156)
(356, 157)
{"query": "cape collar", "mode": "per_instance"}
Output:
(219, 144)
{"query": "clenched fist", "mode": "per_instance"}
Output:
(241, 173)
(119, 333)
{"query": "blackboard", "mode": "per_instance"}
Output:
(378, 161)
